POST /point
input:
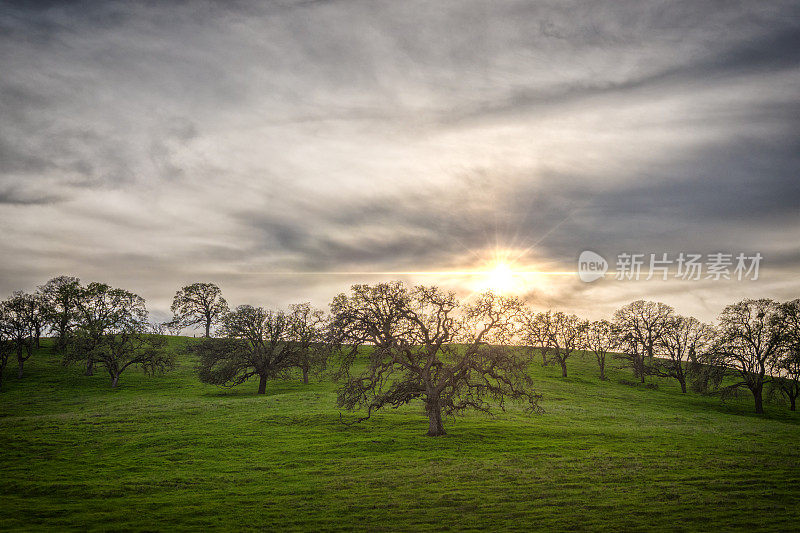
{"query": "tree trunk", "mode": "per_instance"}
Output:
(114, 381)
(89, 367)
(563, 368)
(208, 328)
(602, 371)
(435, 426)
(305, 376)
(20, 363)
(792, 406)
(683, 385)
(262, 384)
(758, 401)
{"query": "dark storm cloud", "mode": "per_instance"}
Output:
(170, 141)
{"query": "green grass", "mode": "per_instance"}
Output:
(168, 452)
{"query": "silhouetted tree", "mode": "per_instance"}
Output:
(198, 304)
(789, 360)
(6, 344)
(749, 339)
(254, 342)
(536, 330)
(678, 345)
(60, 296)
(18, 311)
(566, 335)
(600, 340)
(423, 345)
(101, 310)
(308, 331)
(639, 327)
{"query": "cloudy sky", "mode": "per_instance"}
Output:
(288, 149)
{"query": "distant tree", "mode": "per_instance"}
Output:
(60, 298)
(749, 340)
(639, 327)
(102, 310)
(198, 304)
(679, 345)
(307, 334)
(536, 330)
(18, 311)
(600, 340)
(130, 344)
(424, 345)
(254, 342)
(566, 335)
(788, 365)
(6, 344)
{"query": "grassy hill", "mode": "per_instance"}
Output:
(169, 452)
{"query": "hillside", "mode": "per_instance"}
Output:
(169, 452)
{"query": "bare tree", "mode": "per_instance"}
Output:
(308, 330)
(600, 340)
(255, 342)
(18, 311)
(424, 345)
(679, 344)
(6, 344)
(639, 327)
(101, 310)
(198, 304)
(535, 332)
(788, 365)
(129, 342)
(749, 340)
(60, 296)
(566, 336)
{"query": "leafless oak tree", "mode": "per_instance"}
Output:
(17, 312)
(424, 345)
(639, 327)
(254, 342)
(749, 340)
(308, 335)
(678, 346)
(788, 366)
(60, 296)
(600, 340)
(6, 344)
(535, 331)
(198, 304)
(112, 331)
(566, 335)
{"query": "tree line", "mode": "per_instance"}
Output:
(390, 344)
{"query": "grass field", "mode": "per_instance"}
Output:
(169, 453)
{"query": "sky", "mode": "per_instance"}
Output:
(288, 149)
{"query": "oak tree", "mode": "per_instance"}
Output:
(566, 335)
(308, 335)
(639, 327)
(678, 346)
(18, 311)
(198, 304)
(600, 340)
(749, 339)
(422, 344)
(254, 342)
(60, 296)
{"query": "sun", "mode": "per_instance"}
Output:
(500, 279)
